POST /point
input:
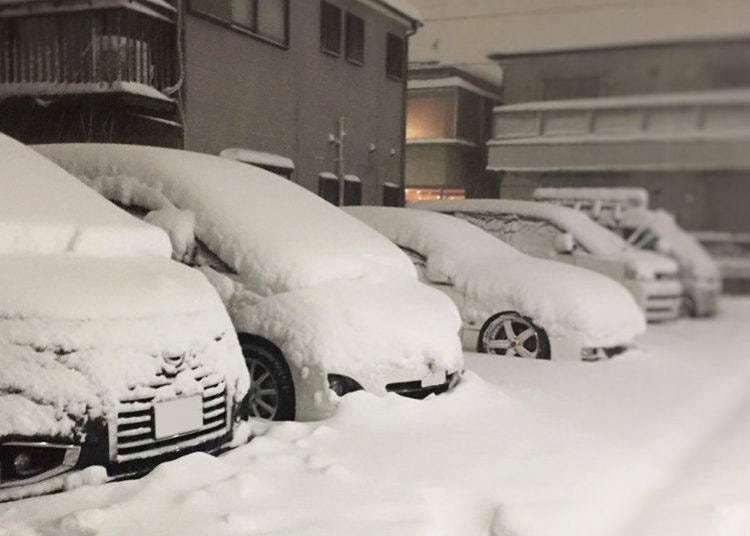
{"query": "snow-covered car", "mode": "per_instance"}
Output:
(323, 304)
(512, 304)
(567, 235)
(111, 354)
(625, 211)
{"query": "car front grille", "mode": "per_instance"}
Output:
(134, 435)
(414, 389)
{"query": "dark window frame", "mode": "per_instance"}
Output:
(392, 38)
(349, 19)
(324, 5)
(243, 29)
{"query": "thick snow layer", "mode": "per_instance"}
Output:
(691, 256)
(593, 237)
(564, 299)
(43, 209)
(79, 333)
(257, 158)
(275, 234)
(653, 444)
(392, 329)
(631, 196)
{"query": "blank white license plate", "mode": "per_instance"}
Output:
(177, 417)
(436, 378)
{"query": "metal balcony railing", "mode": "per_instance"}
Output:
(86, 50)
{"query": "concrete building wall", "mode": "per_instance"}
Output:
(630, 70)
(244, 92)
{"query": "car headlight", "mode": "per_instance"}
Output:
(24, 462)
(342, 385)
(633, 272)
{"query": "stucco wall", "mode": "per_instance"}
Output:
(242, 92)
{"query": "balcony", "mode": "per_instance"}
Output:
(679, 131)
(52, 48)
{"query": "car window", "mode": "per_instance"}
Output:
(530, 235)
(204, 257)
(419, 261)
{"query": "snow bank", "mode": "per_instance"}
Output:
(563, 299)
(275, 234)
(592, 236)
(43, 209)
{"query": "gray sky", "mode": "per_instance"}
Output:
(467, 30)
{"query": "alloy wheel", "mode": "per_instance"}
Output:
(263, 396)
(512, 335)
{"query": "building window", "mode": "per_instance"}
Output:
(391, 195)
(330, 29)
(431, 117)
(355, 39)
(394, 57)
(266, 18)
(432, 193)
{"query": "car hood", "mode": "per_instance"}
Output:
(562, 299)
(376, 331)
(79, 334)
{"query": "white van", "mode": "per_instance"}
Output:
(323, 304)
(563, 234)
(625, 211)
(111, 354)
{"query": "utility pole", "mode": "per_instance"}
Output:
(339, 142)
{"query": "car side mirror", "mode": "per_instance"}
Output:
(565, 244)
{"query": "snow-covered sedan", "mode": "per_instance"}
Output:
(111, 353)
(566, 235)
(511, 304)
(625, 211)
(323, 304)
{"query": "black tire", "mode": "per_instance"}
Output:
(688, 307)
(271, 394)
(525, 340)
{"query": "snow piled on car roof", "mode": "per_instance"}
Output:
(681, 245)
(275, 234)
(558, 297)
(593, 236)
(43, 209)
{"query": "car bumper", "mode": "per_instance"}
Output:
(704, 295)
(660, 299)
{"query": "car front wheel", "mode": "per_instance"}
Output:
(271, 393)
(513, 335)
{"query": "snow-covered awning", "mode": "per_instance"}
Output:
(258, 158)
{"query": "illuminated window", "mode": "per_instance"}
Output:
(431, 117)
(429, 194)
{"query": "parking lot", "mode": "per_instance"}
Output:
(652, 442)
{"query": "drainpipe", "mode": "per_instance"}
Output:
(414, 27)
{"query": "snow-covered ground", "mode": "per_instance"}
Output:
(654, 442)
